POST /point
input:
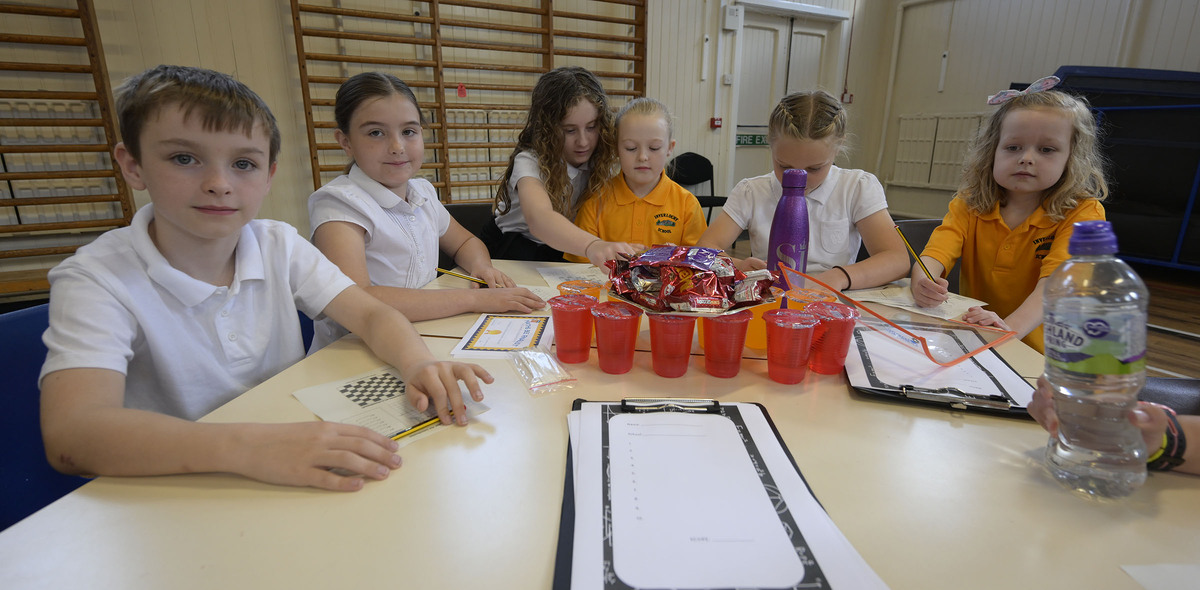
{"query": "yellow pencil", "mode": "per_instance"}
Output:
(462, 276)
(417, 428)
(914, 253)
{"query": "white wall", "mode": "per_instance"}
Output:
(990, 44)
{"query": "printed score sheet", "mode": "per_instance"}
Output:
(898, 294)
(495, 336)
(375, 400)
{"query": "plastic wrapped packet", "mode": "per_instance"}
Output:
(685, 279)
(540, 371)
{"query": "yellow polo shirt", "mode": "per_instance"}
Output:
(669, 214)
(1000, 265)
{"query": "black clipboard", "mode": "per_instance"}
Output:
(566, 523)
(946, 397)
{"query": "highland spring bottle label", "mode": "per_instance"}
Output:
(1082, 343)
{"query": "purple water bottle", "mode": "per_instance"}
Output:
(789, 229)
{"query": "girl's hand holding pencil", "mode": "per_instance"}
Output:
(927, 291)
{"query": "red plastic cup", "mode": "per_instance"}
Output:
(671, 343)
(831, 340)
(572, 317)
(724, 339)
(789, 340)
(617, 326)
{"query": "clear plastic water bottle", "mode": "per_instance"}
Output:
(1095, 336)
(788, 241)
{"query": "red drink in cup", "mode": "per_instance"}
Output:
(671, 343)
(789, 341)
(617, 326)
(572, 316)
(831, 341)
(724, 339)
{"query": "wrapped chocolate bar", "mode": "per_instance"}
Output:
(687, 279)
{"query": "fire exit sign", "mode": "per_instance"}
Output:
(751, 139)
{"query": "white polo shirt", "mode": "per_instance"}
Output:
(526, 164)
(845, 198)
(402, 241)
(185, 346)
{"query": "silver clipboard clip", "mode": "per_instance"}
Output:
(670, 404)
(956, 398)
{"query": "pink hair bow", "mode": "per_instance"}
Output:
(1006, 95)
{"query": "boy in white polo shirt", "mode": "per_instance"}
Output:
(155, 325)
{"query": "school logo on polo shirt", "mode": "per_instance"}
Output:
(665, 223)
(1041, 246)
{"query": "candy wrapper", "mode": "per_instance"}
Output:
(687, 280)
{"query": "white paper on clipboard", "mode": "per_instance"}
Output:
(688, 495)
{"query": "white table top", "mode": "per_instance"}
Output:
(931, 498)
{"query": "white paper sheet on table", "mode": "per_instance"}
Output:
(1164, 576)
(897, 294)
(689, 507)
(543, 292)
(495, 335)
(553, 275)
(376, 400)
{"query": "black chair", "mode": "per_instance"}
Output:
(27, 482)
(918, 231)
(473, 216)
(1181, 395)
(691, 169)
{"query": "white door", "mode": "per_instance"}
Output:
(779, 55)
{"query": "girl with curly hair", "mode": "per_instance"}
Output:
(564, 155)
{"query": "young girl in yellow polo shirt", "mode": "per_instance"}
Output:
(1031, 174)
(641, 206)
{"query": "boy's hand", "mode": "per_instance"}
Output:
(600, 252)
(304, 453)
(980, 316)
(494, 278)
(519, 299)
(438, 381)
(929, 293)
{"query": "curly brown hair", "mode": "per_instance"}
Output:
(1083, 177)
(556, 93)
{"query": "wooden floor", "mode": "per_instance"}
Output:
(1173, 337)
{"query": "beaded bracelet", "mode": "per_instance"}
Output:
(1174, 445)
(848, 282)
